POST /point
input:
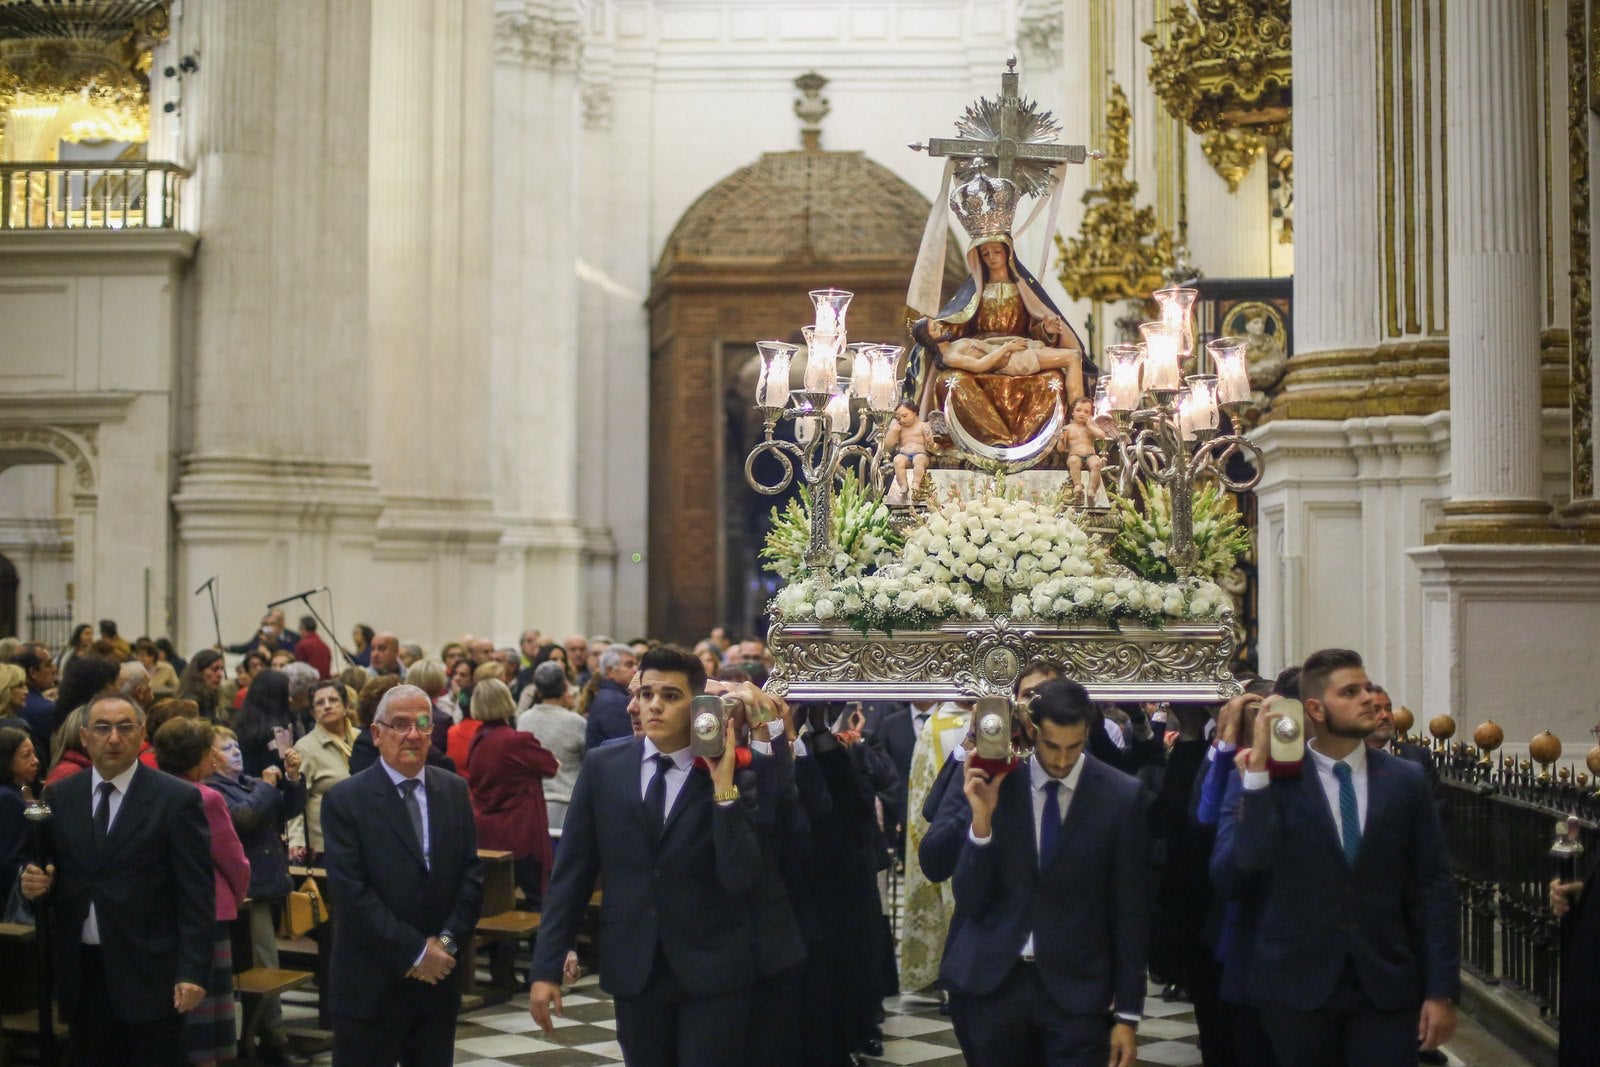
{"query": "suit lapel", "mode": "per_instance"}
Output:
(1311, 793)
(1019, 783)
(1379, 779)
(394, 810)
(697, 785)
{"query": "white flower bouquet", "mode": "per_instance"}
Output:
(996, 556)
(863, 537)
(1144, 543)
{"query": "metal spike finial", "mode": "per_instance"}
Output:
(1011, 65)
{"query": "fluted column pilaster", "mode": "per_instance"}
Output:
(1495, 264)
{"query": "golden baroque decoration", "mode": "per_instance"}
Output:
(1224, 65)
(962, 660)
(1232, 153)
(1119, 252)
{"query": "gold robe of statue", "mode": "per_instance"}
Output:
(1001, 299)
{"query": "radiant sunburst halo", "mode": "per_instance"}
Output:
(982, 122)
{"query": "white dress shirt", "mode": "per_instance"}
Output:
(91, 925)
(1357, 761)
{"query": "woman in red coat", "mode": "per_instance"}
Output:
(506, 769)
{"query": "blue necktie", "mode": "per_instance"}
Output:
(1349, 815)
(1050, 822)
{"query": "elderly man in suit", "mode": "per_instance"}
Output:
(678, 851)
(1357, 954)
(130, 897)
(407, 888)
(1046, 961)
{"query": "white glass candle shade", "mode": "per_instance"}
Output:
(1177, 310)
(831, 305)
(839, 412)
(1161, 353)
(1233, 373)
(884, 390)
(772, 387)
(822, 359)
(1202, 393)
(1122, 386)
(860, 368)
(1102, 399)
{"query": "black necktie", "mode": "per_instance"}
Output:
(1050, 821)
(655, 795)
(408, 793)
(102, 814)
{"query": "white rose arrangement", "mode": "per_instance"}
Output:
(996, 556)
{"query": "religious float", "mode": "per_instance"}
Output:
(903, 582)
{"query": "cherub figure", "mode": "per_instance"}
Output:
(910, 440)
(1078, 441)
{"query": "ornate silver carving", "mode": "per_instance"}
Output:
(961, 661)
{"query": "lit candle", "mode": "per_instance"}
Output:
(772, 390)
(839, 412)
(1185, 416)
(860, 368)
(1233, 374)
(885, 390)
(1122, 391)
(1161, 341)
(1102, 400)
(1202, 393)
(822, 359)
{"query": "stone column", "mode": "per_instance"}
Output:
(1495, 265)
(535, 454)
(275, 490)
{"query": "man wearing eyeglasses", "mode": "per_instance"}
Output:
(402, 858)
(130, 897)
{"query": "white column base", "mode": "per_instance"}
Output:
(1510, 632)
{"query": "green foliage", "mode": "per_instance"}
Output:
(1144, 542)
(863, 537)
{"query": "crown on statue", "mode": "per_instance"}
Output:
(985, 206)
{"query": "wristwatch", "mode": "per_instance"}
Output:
(448, 943)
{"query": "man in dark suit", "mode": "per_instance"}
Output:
(130, 897)
(1385, 736)
(678, 851)
(608, 711)
(407, 886)
(1046, 959)
(1357, 954)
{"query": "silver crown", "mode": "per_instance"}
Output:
(985, 206)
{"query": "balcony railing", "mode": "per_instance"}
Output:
(100, 196)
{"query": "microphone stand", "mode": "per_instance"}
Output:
(38, 815)
(304, 598)
(216, 621)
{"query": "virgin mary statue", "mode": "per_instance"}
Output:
(999, 349)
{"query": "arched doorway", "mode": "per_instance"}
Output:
(736, 270)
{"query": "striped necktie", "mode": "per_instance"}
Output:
(1349, 814)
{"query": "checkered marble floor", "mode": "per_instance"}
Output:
(913, 1033)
